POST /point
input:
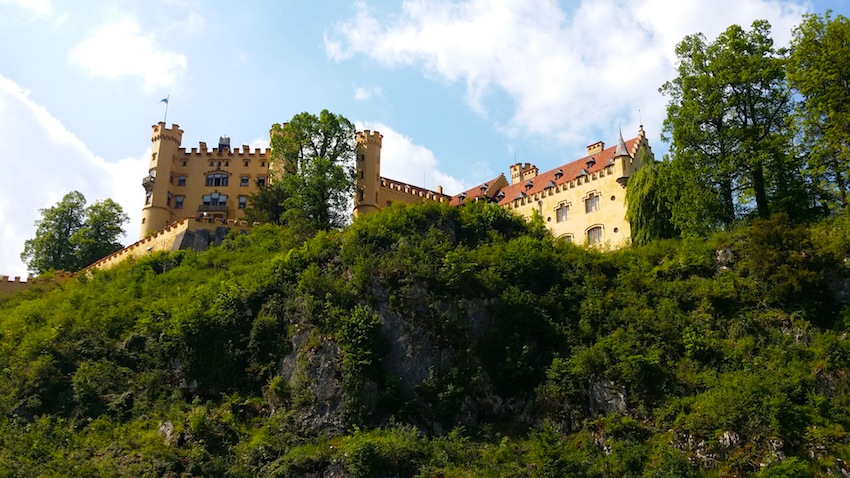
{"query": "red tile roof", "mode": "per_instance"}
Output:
(569, 172)
(472, 194)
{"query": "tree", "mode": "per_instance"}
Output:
(648, 202)
(313, 176)
(819, 70)
(70, 236)
(727, 121)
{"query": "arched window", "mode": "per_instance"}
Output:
(594, 235)
(218, 179)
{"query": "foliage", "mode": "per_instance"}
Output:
(648, 206)
(312, 160)
(70, 236)
(727, 122)
(819, 70)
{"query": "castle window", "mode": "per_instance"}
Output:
(183, 163)
(562, 213)
(217, 179)
(170, 178)
(594, 235)
(227, 163)
(148, 195)
(219, 164)
(262, 164)
(168, 200)
(181, 180)
(568, 238)
(261, 181)
(178, 202)
(362, 174)
(243, 201)
(245, 163)
(212, 163)
(591, 203)
(243, 181)
(360, 195)
(361, 157)
(214, 199)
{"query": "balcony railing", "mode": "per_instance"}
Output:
(147, 183)
(212, 208)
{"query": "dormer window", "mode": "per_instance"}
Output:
(591, 161)
(521, 195)
(483, 188)
(528, 185)
(550, 184)
(500, 196)
(582, 173)
(461, 197)
(558, 174)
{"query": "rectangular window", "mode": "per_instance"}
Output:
(591, 203)
(261, 181)
(243, 201)
(148, 197)
(243, 181)
(181, 180)
(178, 202)
(168, 200)
(562, 214)
(219, 179)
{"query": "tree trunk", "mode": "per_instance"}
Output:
(758, 187)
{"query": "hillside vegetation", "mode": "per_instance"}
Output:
(433, 341)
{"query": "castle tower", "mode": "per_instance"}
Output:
(165, 146)
(368, 171)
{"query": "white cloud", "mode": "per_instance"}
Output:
(44, 161)
(568, 73)
(120, 49)
(363, 93)
(39, 7)
(405, 161)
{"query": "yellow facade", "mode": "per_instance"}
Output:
(582, 201)
(199, 183)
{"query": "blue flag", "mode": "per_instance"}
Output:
(164, 100)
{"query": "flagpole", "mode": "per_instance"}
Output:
(165, 118)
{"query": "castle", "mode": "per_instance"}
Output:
(193, 198)
(582, 201)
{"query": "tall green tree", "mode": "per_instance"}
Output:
(648, 201)
(819, 70)
(313, 173)
(727, 120)
(70, 236)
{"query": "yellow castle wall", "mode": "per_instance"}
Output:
(9, 285)
(241, 166)
(611, 214)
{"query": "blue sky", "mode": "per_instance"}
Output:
(459, 89)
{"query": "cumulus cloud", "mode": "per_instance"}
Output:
(39, 7)
(405, 161)
(120, 49)
(44, 161)
(569, 73)
(363, 93)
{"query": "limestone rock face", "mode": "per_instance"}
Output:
(606, 396)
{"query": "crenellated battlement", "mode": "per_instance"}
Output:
(10, 285)
(161, 133)
(369, 137)
(413, 191)
(202, 150)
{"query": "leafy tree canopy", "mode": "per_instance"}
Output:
(727, 122)
(313, 173)
(70, 236)
(819, 70)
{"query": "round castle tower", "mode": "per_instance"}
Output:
(156, 213)
(368, 171)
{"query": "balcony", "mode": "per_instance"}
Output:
(147, 183)
(212, 208)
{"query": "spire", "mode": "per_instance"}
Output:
(621, 147)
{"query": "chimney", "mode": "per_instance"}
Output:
(595, 148)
